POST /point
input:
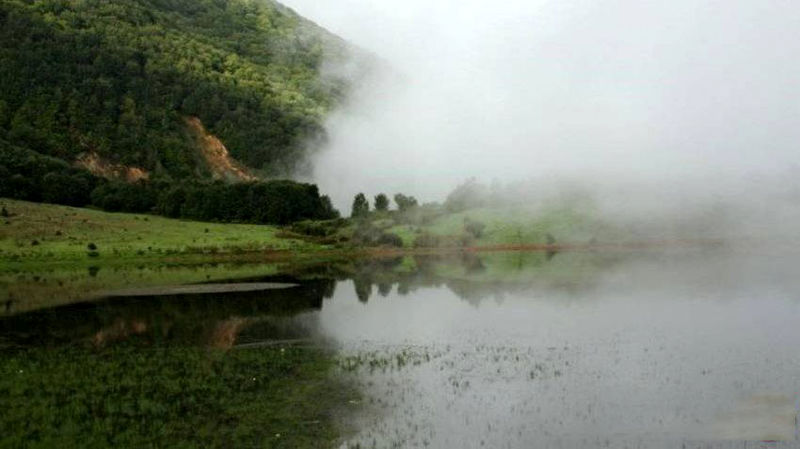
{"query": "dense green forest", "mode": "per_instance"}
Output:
(118, 79)
(116, 82)
(30, 176)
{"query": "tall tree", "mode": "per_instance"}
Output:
(381, 203)
(405, 203)
(360, 206)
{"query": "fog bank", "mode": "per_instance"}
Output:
(698, 93)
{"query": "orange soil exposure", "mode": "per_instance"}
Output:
(216, 155)
(226, 332)
(120, 330)
(103, 168)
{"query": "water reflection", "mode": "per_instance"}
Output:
(212, 319)
(26, 288)
(695, 348)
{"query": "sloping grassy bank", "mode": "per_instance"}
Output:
(45, 233)
(33, 232)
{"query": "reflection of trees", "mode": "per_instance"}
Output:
(476, 277)
(363, 288)
(403, 288)
(472, 263)
(175, 319)
(384, 288)
(223, 318)
(328, 289)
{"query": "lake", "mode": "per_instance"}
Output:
(692, 347)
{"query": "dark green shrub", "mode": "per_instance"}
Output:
(366, 234)
(390, 239)
(118, 196)
(324, 228)
(474, 227)
(66, 188)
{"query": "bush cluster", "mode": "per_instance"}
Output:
(30, 176)
(315, 228)
(367, 234)
(269, 202)
(27, 175)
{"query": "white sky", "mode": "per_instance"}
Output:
(514, 89)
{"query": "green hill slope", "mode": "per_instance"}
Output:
(116, 84)
(42, 232)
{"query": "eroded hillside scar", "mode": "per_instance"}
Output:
(216, 155)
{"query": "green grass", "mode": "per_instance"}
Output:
(36, 233)
(45, 232)
(34, 286)
(512, 226)
(508, 227)
(406, 232)
(504, 268)
(129, 396)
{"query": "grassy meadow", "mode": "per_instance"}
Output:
(35, 232)
(502, 226)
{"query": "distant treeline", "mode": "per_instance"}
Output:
(272, 202)
(30, 176)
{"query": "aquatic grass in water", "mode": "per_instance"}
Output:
(134, 396)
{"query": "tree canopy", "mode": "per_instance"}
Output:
(119, 78)
(404, 202)
(381, 203)
(360, 206)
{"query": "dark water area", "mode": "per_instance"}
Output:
(689, 348)
(176, 319)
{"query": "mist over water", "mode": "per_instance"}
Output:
(687, 95)
(662, 350)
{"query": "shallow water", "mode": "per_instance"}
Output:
(691, 348)
(654, 351)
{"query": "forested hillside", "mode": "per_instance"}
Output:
(116, 81)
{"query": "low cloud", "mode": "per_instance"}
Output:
(683, 97)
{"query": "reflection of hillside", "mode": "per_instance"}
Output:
(207, 320)
(226, 319)
(474, 277)
(48, 286)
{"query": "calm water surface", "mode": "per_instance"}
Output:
(651, 351)
(694, 348)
